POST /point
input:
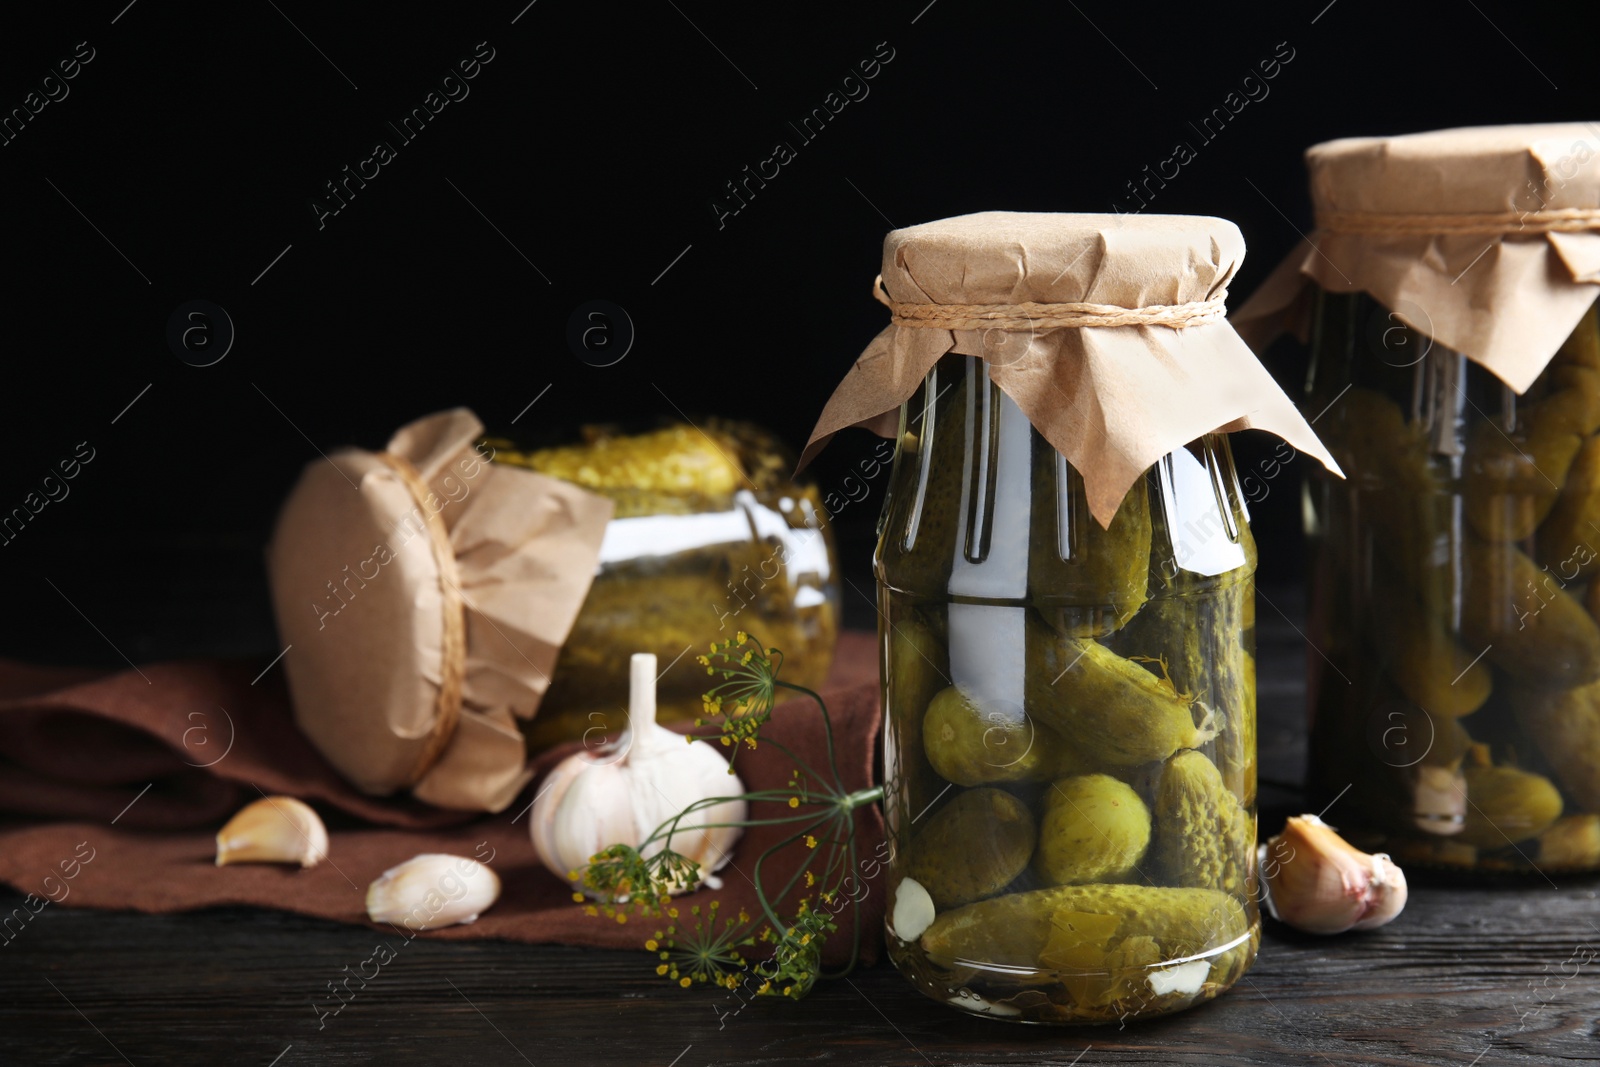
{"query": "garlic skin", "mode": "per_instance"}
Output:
(621, 793)
(432, 890)
(1318, 882)
(273, 830)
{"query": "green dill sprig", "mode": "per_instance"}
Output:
(700, 947)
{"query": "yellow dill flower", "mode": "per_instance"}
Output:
(794, 802)
(651, 944)
(578, 898)
(662, 969)
(811, 841)
(684, 981)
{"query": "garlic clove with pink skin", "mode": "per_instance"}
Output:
(1318, 882)
(621, 793)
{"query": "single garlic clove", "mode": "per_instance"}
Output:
(913, 910)
(432, 890)
(273, 830)
(1439, 800)
(1320, 883)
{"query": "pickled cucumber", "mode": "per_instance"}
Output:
(1569, 540)
(923, 512)
(919, 667)
(972, 847)
(1506, 805)
(1193, 629)
(1582, 346)
(1072, 558)
(1571, 843)
(1094, 829)
(1387, 461)
(1512, 479)
(1565, 724)
(1116, 712)
(1532, 628)
(1204, 838)
(970, 744)
(1420, 653)
(1078, 928)
(677, 459)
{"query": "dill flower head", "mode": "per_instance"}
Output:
(743, 700)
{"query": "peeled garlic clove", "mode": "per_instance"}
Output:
(1320, 883)
(432, 890)
(913, 910)
(273, 830)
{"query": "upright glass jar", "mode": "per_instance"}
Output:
(1456, 677)
(1069, 744)
(1454, 684)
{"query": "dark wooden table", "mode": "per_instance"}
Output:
(1468, 975)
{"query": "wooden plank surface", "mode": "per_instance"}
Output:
(1468, 975)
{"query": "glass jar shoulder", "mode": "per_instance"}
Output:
(982, 508)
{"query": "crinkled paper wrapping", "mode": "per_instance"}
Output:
(358, 600)
(1113, 400)
(1507, 300)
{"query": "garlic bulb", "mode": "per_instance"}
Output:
(1320, 883)
(620, 794)
(432, 890)
(273, 830)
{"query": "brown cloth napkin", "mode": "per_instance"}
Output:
(137, 770)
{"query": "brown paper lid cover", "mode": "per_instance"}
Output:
(361, 604)
(1482, 238)
(1112, 399)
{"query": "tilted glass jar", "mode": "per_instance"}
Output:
(710, 535)
(1069, 737)
(1456, 672)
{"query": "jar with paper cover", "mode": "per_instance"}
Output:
(1065, 588)
(709, 535)
(1455, 692)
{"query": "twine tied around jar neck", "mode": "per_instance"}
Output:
(453, 642)
(1548, 220)
(1029, 315)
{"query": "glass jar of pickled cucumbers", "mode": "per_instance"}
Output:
(1456, 678)
(711, 534)
(1070, 719)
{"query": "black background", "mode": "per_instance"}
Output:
(583, 163)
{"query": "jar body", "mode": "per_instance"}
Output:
(1455, 684)
(1069, 720)
(710, 535)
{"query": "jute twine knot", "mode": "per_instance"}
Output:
(1549, 220)
(1029, 315)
